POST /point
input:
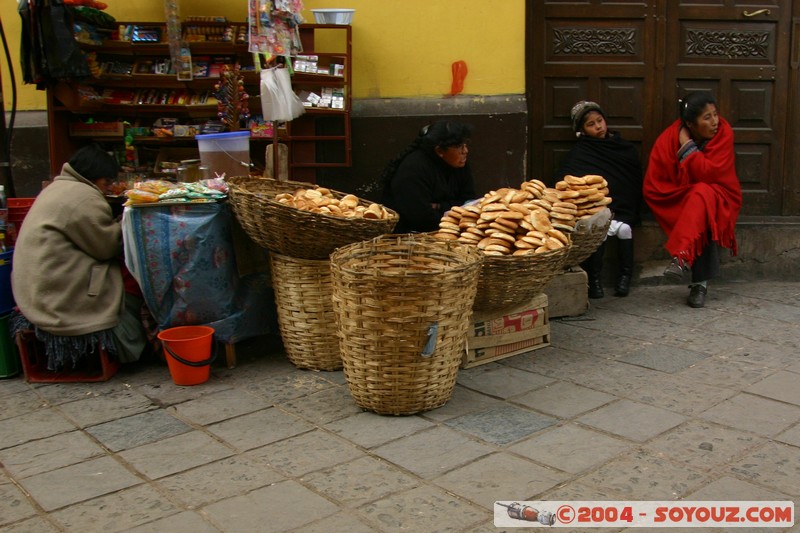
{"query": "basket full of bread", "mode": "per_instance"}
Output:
(303, 220)
(525, 235)
(593, 216)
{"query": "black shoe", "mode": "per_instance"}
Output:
(623, 285)
(676, 269)
(595, 288)
(697, 296)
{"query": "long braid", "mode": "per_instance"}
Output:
(394, 164)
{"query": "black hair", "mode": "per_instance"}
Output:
(94, 163)
(442, 133)
(692, 105)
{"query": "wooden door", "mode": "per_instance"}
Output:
(636, 58)
(598, 50)
(739, 51)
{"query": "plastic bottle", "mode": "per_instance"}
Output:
(2, 197)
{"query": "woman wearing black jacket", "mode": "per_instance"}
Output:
(429, 177)
(606, 153)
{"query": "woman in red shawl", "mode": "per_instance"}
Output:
(692, 189)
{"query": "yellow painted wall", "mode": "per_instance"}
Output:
(401, 49)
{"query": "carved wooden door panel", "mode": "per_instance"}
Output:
(597, 50)
(739, 51)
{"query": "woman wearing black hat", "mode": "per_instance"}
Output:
(606, 153)
(429, 177)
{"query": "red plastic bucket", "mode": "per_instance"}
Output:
(187, 350)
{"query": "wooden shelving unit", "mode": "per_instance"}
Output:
(318, 139)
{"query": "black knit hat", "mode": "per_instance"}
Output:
(579, 111)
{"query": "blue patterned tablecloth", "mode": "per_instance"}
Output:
(183, 257)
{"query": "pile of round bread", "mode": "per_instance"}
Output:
(322, 200)
(529, 220)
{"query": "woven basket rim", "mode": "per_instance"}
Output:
(468, 256)
(234, 185)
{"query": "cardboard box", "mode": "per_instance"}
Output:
(493, 337)
(567, 294)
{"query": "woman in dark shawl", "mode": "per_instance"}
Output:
(605, 153)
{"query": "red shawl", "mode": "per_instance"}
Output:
(698, 198)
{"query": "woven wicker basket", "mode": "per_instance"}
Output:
(586, 239)
(390, 295)
(294, 232)
(510, 281)
(304, 300)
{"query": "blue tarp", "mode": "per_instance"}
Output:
(183, 257)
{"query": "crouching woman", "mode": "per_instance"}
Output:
(67, 277)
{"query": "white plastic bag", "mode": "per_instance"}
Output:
(278, 101)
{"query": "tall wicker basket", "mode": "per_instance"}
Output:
(304, 300)
(403, 307)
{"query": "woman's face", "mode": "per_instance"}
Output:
(455, 156)
(705, 125)
(594, 125)
(104, 184)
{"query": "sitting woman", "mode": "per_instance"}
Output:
(429, 177)
(693, 190)
(604, 152)
(67, 277)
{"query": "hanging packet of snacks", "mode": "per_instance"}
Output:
(179, 51)
(273, 26)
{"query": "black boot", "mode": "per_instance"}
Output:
(594, 271)
(625, 258)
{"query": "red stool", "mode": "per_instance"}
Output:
(34, 363)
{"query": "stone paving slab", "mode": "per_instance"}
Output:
(422, 509)
(564, 400)
(413, 453)
(98, 409)
(632, 420)
(781, 386)
(500, 476)
(119, 511)
(270, 508)
(753, 413)
(79, 482)
(360, 481)
(175, 454)
(571, 448)
(216, 481)
(501, 425)
(320, 449)
(14, 505)
(641, 398)
(257, 429)
(136, 430)
(49, 453)
(31, 426)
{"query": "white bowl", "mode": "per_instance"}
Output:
(333, 16)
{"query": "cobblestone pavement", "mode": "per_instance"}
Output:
(641, 398)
